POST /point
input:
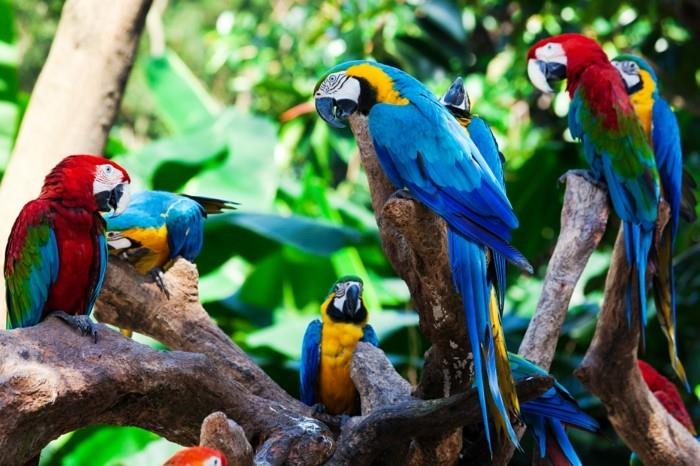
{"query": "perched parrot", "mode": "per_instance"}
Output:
(424, 150)
(56, 254)
(456, 100)
(328, 345)
(158, 227)
(667, 394)
(548, 415)
(615, 145)
(197, 456)
(662, 131)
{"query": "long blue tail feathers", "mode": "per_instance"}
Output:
(638, 240)
(469, 273)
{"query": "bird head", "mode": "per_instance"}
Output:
(636, 73)
(355, 86)
(344, 302)
(561, 57)
(456, 99)
(197, 456)
(90, 182)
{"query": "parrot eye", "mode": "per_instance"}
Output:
(109, 169)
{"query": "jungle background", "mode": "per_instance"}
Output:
(219, 104)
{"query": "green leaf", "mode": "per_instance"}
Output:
(181, 100)
(307, 234)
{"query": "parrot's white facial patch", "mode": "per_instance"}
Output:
(341, 295)
(340, 87)
(629, 71)
(212, 461)
(115, 240)
(551, 53)
(106, 178)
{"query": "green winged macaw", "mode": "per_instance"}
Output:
(424, 150)
(661, 127)
(549, 414)
(328, 346)
(603, 117)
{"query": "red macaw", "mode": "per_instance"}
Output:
(197, 456)
(614, 143)
(56, 254)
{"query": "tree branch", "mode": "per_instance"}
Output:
(223, 434)
(609, 371)
(75, 99)
(53, 380)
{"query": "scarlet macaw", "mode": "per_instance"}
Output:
(662, 131)
(615, 145)
(423, 149)
(667, 394)
(158, 226)
(197, 456)
(328, 347)
(56, 255)
(548, 415)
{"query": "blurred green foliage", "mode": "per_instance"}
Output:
(225, 111)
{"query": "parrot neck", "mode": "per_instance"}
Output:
(578, 63)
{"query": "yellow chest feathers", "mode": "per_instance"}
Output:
(643, 102)
(336, 390)
(154, 242)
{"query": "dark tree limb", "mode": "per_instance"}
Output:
(53, 381)
(609, 371)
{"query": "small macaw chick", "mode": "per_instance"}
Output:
(197, 456)
(328, 347)
(667, 394)
(158, 227)
(425, 152)
(614, 143)
(661, 128)
(56, 254)
(548, 416)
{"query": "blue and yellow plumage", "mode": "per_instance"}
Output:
(662, 130)
(423, 149)
(548, 415)
(328, 347)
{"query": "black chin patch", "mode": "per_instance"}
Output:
(103, 200)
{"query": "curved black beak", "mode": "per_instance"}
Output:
(334, 111)
(115, 200)
(455, 94)
(543, 73)
(352, 300)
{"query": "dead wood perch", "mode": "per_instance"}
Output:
(53, 381)
(609, 371)
(223, 434)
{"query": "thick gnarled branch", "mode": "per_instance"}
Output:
(609, 371)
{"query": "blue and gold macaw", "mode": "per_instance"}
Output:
(424, 150)
(158, 227)
(662, 130)
(456, 100)
(328, 346)
(548, 415)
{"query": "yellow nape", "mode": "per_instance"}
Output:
(338, 340)
(643, 101)
(381, 82)
(155, 242)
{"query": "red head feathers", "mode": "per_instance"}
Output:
(197, 456)
(90, 182)
(563, 56)
(667, 394)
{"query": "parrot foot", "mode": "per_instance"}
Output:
(158, 274)
(81, 323)
(319, 408)
(344, 419)
(587, 175)
(403, 194)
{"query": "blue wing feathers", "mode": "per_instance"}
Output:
(666, 139)
(102, 269)
(369, 336)
(310, 363)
